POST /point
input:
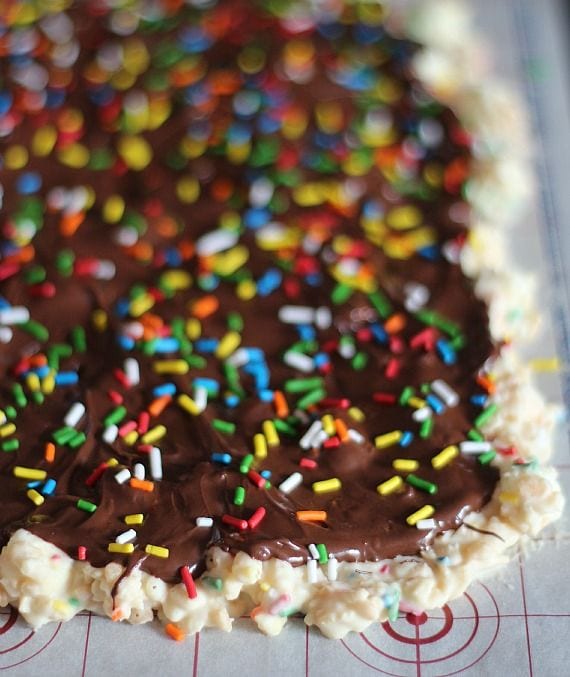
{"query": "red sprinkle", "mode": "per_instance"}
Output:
(256, 518)
(257, 479)
(144, 420)
(121, 377)
(188, 582)
(127, 428)
(82, 553)
(96, 474)
(115, 397)
(334, 403)
(332, 442)
(384, 398)
(235, 522)
(392, 368)
(308, 463)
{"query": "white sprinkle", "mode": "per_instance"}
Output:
(132, 371)
(126, 536)
(319, 439)
(123, 476)
(105, 270)
(75, 414)
(306, 441)
(133, 329)
(6, 334)
(291, 483)
(445, 392)
(206, 522)
(155, 463)
(323, 317)
(417, 295)
(201, 398)
(422, 414)
(75, 200)
(426, 525)
(14, 315)
(332, 568)
(110, 434)
(347, 350)
(139, 471)
(296, 314)
(239, 358)
(126, 236)
(312, 570)
(313, 551)
(474, 447)
(355, 436)
(299, 361)
(216, 241)
(261, 192)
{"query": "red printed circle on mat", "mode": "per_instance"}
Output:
(431, 645)
(19, 644)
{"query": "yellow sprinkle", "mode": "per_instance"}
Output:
(259, 446)
(188, 404)
(390, 486)
(405, 464)
(444, 457)
(509, 497)
(123, 548)
(270, 433)
(171, 367)
(388, 439)
(246, 290)
(154, 434)
(7, 429)
(99, 319)
(35, 497)
(131, 438)
(112, 462)
(44, 140)
(48, 383)
(141, 304)
(416, 402)
(264, 586)
(28, 473)
(135, 152)
(328, 424)
(134, 519)
(113, 209)
(176, 279)
(188, 189)
(61, 606)
(546, 364)
(356, 414)
(227, 263)
(422, 514)
(193, 328)
(157, 551)
(75, 156)
(404, 217)
(228, 345)
(33, 382)
(15, 157)
(324, 486)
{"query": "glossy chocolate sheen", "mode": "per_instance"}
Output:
(360, 524)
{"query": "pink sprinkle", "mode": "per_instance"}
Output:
(308, 463)
(144, 420)
(127, 428)
(396, 345)
(82, 553)
(115, 397)
(280, 603)
(392, 368)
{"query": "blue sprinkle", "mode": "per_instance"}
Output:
(479, 400)
(126, 342)
(266, 474)
(66, 378)
(34, 484)
(435, 403)
(406, 439)
(430, 253)
(218, 457)
(211, 385)
(166, 344)
(208, 282)
(231, 400)
(266, 395)
(379, 333)
(206, 345)
(173, 257)
(314, 279)
(164, 389)
(5, 102)
(28, 183)
(256, 217)
(269, 281)
(321, 360)
(446, 352)
(268, 125)
(306, 332)
(42, 372)
(55, 98)
(255, 354)
(49, 487)
(122, 307)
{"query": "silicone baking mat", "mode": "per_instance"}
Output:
(518, 623)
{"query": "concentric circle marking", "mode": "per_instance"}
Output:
(19, 644)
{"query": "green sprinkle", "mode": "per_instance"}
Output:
(284, 427)
(64, 262)
(85, 505)
(475, 435)
(78, 440)
(38, 397)
(10, 445)
(323, 554)
(433, 319)
(311, 398)
(19, 396)
(341, 293)
(485, 415)
(196, 361)
(458, 342)
(245, 464)
(239, 496)
(422, 484)
(426, 428)
(35, 275)
(302, 385)
(380, 303)
(35, 329)
(359, 361)
(10, 412)
(64, 435)
(225, 427)
(405, 395)
(215, 583)
(115, 416)
(235, 322)
(487, 457)
(78, 340)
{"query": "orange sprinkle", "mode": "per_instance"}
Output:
(205, 306)
(117, 615)
(222, 189)
(143, 485)
(341, 429)
(157, 406)
(281, 406)
(141, 251)
(311, 515)
(70, 223)
(175, 632)
(395, 323)
(486, 383)
(186, 249)
(49, 453)
(256, 610)
(39, 360)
